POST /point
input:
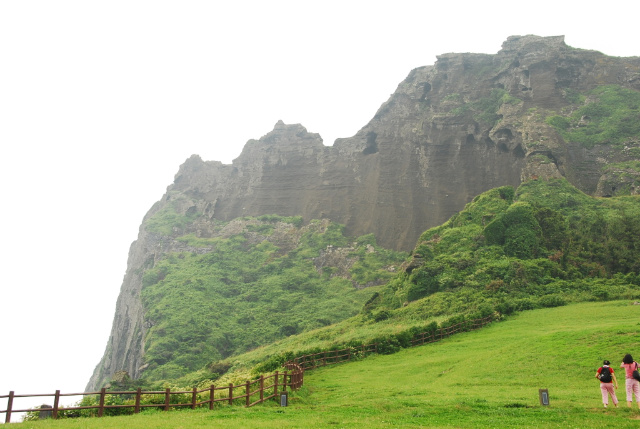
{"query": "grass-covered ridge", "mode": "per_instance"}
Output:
(543, 245)
(485, 378)
(268, 279)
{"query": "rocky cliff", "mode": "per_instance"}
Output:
(466, 124)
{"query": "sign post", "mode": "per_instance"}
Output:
(544, 397)
(284, 399)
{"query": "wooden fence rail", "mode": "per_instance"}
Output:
(256, 389)
(330, 357)
(438, 334)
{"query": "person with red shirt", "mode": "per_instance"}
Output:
(632, 385)
(606, 384)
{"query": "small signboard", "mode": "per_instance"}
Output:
(284, 399)
(544, 397)
(45, 414)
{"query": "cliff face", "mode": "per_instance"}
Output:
(451, 131)
(423, 156)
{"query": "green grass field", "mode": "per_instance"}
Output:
(487, 378)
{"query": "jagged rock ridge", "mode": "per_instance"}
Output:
(469, 123)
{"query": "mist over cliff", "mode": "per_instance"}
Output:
(467, 124)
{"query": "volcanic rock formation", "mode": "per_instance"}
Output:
(469, 123)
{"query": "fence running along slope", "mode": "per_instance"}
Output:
(251, 393)
(329, 357)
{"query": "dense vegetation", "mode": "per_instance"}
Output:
(608, 114)
(271, 280)
(485, 109)
(540, 246)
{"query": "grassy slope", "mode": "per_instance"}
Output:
(253, 288)
(486, 378)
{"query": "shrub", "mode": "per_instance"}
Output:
(506, 193)
(381, 315)
(388, 345)
(525, 304)
(424, 286)
(553, 300)
(521, 242)
(219, 368)
(273, 363)
(494, 232)
(506, 307)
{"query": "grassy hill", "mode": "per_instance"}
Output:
(485, 378)
(542, 245)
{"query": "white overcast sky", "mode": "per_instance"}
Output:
(101, 101)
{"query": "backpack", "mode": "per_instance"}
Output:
(605, 375)
(635, 373)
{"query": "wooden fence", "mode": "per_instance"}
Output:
(440, 333)
(329, 357)
(251, 393)
(256, 390)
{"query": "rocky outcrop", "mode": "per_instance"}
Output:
(469, 123)
(424, 154)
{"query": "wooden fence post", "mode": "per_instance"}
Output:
(212, 394)
(230, 393)
(7, 418)
(284, 382)
(193, 398)
(167, 399)
(275, 384)
(103, 392)
(247, 392)
(138, 395)
(56, 403)
(261, 388)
